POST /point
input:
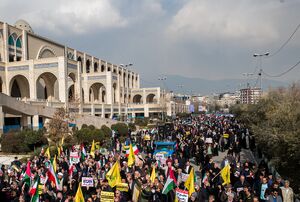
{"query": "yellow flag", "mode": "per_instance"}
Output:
(54, 164)
(48, 153)
(79, 196)
(131, 156)
(97, 145)
(225, 174)
(113, 176)
(153, 175)
(190, 182)
(62, 141)
(92, 152)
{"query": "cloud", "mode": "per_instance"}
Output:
(239, 20)
(75, 16)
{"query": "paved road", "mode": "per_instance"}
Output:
(245, 154)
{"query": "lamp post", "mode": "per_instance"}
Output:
(162, 79)
(260, 65)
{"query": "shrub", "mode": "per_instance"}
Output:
(14, 142)
(132, 126)
(121, 128)
(106, 130)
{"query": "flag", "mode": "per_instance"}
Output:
(54, 164)
(134, 147)
(113, 175)
(171, 175)
(52, 176)
(83, 152)
(79, 196)
(27, 175)
(136, 192)
(190, 182)
(34, 191)
(169, 185)
(48, 153)
(71, 170)
(92, 152)
(131, 156)
(62, 141)
(153, 175)
(225, 174)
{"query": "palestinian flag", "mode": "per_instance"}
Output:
(34, 191)
(134, 147)
(169, 185)
(27, 175)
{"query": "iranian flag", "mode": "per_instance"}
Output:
(27, 175)
(34, 193)
(52, 176)
(83, 152)
(170, 184)
(134, 147)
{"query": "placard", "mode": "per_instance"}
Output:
(182, 196)
(87, 182)
(184, 176)
(122, 187)
(74, 158)
(107, 196)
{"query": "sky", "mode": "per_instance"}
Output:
(211, 39)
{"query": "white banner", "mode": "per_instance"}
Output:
(87, 182)
(74, 158)
(182, 196)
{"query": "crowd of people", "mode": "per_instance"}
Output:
(199, 142)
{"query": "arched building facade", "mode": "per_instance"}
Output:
(40, 71)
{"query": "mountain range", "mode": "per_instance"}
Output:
(185, 85)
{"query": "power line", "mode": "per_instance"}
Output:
(286, 42)
(283, 73)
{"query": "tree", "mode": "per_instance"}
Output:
(58, 126)
(275, 121)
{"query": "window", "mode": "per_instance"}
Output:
(11, 40)
(18, 43)
(11, 58)
(102, 68)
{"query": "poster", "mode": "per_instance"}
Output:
(107, 196)
(74, 158)
(87, 182)
(182, 195)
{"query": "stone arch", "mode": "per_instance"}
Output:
(137, 99)
(71, 93)
(46, 52)
(1, 47)
(88, 65)
(150, 98)
(95, 92)
(72, 76)
(19, 87)
(96, 67)
(47, 86)
(1, 85)
(80, 60)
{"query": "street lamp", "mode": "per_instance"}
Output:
(260, 65)
(162, 79)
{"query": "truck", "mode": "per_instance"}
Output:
(164, 148)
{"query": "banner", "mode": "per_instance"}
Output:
(87, 182)
(182, 196)
(184, 176)
(74, 158)
(122, 187)
(107, 196)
